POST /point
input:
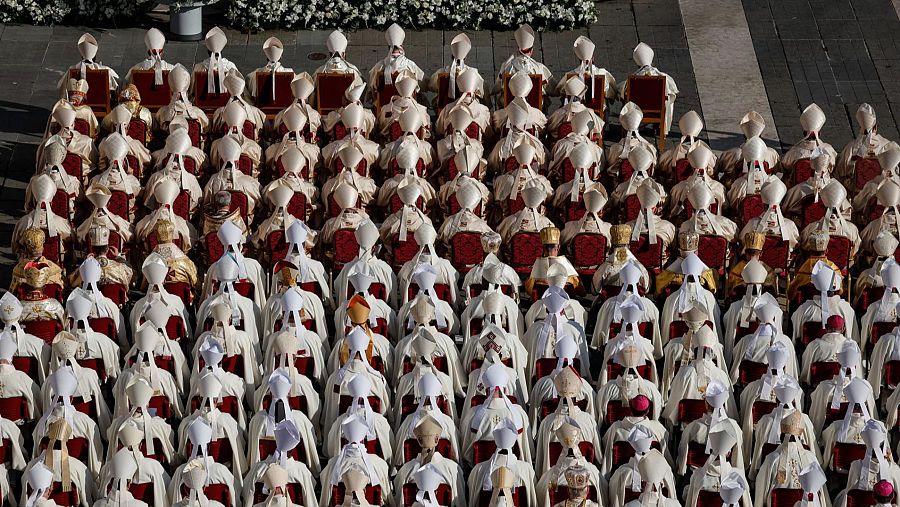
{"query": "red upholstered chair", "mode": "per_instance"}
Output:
(615, 370)
(643, 328)
(46, 330)
(785, 497)
(103, 325)
(690, 410)
(372, 493)
(821, 371)
(616, 411)
(395, 204)
(752, 206)
(588, 252)
(761, 408)
(812, 210)
(214, 247)
(524, 249)
(295, 402)
(182, 205)
(869, 295)
(802, 171)
(15, 408)
(891, 375)
(267, 448)
(346, 400)
(696, 455)
(748, 371)
(466, 250)
(117, 292)
(294, 491)
(76, 446)
(298, 206)
(162, 406)
(454, 207)
(142, 491)
(63, 498)
(219, 450)
(879, 329)
(860, 498)
(845, 453)
(866, 170)
(713, 251)
(545, 366)
(625, 171)
(214, 491)
(839, 248)
(683, 170)
(833, 414)
(60, 204)
(119, 202)
(811, 330)
(82, 127)
(632, 208)
(53, 249)
(586, 448)
(776, 252)
(72, 164)
(574, 210)
(482, 450)
(194, 132)
(239, 202)
(409, 403)
(478, 399)
(403, 251)
(28, 365)
(709, 498)
(345, 247)
(395, 169)
(549, 405)
(514, 206)
(276, 246)
(443, 493)
(411, 449)
(182, 290)
(648, 255)
(137, 130)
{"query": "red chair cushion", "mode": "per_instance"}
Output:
(588, 251)
(632, 208)
(713, 251)
(845, 454)
(648, 255)
(466, 250)
(821, 371)
(15, 408)
(524, 249)
(345, 247)
(776, 252)
(785, 497)
(751, 207)
(214, 247)
(691, 410)
(838, 252)
(866, 170)
(372, 493)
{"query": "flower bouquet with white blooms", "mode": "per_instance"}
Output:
(417, 14)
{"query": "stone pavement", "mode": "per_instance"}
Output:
(806, 50)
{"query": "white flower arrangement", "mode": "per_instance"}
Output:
(416, 14)
(325, 14)
(44, 12)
